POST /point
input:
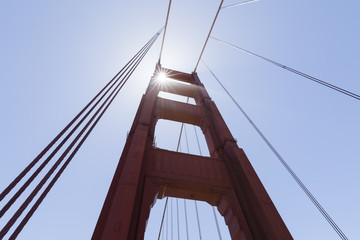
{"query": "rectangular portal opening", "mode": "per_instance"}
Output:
(176, 97)
(192, 139)
(182, 217)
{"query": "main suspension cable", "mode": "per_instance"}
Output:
(207, 38)
(166, 22)
(43, 195)
(326, 84)
(284, 163)
(108, 231)
(48, 147)
(47, 160)
(239, 4)
(38, 187)
(38, 202)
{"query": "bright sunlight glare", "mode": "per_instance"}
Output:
(161, 77)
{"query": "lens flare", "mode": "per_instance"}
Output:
(161, 77)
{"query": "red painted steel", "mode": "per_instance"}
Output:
(145, 173)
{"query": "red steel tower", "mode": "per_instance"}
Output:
(226, 179)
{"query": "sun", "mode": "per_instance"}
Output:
(161, 77)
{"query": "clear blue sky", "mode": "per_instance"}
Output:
(56, 55)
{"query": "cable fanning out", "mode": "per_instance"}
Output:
(326, 84)
(283, 162)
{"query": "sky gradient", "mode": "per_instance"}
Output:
(56, 55)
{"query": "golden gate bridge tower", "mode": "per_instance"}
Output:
(225, 179)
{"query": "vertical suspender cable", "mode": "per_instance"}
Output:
(167, 223)
(165, 207)
(217, 223)
(186, 221)
(177, 214)
(186, 218)
(181, 130)
(171, 219)
(162, 219)
(197, 140)
(198, 220)
(186, 138)
(162, 234)
(196, 208)
(284, 163)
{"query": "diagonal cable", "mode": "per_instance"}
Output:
(51, 144)
(326, 84)
(111, 97)
(284, 163)
(108, 230)
(239, 4)
(27, 217)
(48, 159)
